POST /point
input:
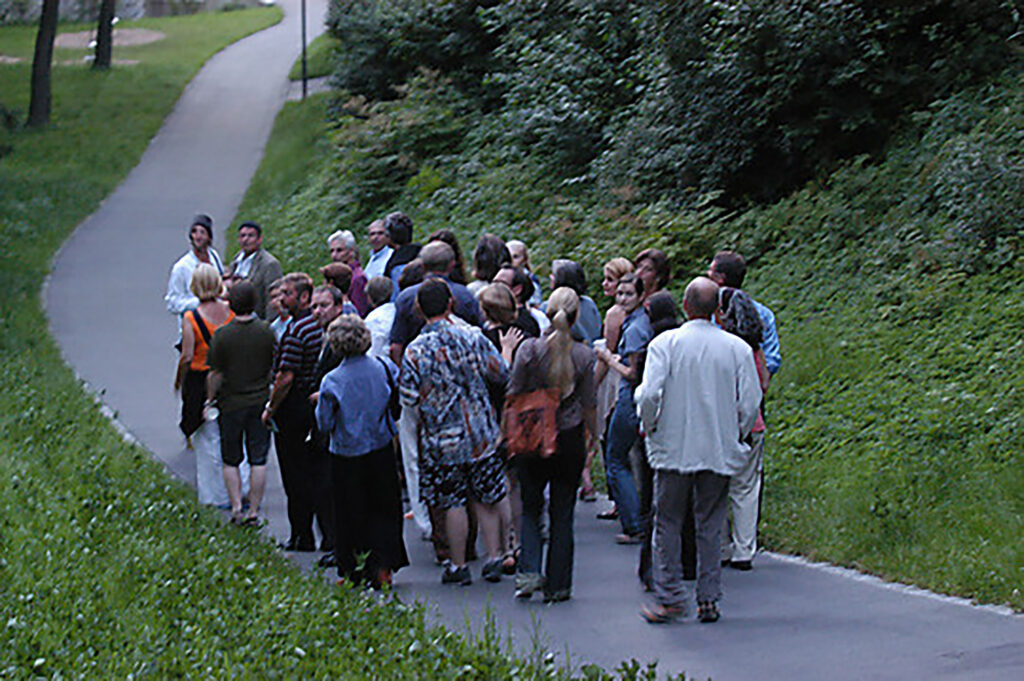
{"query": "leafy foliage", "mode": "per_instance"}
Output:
(387, 42)
(740, 100)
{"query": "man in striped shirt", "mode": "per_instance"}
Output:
(305, 468)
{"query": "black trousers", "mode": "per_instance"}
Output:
(305, 473)
(561, 473)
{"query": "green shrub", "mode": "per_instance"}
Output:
(745, 100)
(754, 98)
(387, 42)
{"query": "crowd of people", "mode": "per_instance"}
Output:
(478, 403)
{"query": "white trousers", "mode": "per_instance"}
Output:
(408, 439)
(210, 487)
(744, 500)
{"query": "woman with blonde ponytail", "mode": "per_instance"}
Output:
(554, 361)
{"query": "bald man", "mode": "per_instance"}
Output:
(698, 401)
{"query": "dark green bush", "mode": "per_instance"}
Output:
(755, 97)
(743, 99)
(565, 69)
(387, 42)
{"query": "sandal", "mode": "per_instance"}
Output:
(510, 561)
(661, 614)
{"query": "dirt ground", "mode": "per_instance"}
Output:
(122, 38)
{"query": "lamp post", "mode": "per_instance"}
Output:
(303, 49)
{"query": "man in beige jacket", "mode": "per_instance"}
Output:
(255, 264)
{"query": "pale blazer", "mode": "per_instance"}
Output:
(698, 399)
(265, 271)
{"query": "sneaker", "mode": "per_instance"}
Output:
(528, 584)
(454, 575)
(629, 538)
(492, 570)
(707, 612)
(610, 514)
(662, 614)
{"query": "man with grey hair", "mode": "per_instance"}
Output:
(698, 402)
(342, 245)
(380, 251)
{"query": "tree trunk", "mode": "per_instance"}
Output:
(39, 106)
(104, 35)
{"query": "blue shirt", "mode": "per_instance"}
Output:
(636, 334)
(408, 321)
(769, 339)
(377, 262)
(588, 321)
(353, 406)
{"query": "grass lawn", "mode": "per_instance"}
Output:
(319, 58)
(109, 569)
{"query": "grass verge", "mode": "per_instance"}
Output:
(320, 56)
(108, 568)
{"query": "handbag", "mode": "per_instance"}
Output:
(529, 423)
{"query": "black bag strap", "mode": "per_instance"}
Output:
(202, 325)
(393, 397)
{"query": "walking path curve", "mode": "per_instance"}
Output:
(784, 620)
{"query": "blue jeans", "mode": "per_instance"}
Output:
(622, 434)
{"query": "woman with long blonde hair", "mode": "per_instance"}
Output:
(554, 361)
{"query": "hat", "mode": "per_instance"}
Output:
(204, 221)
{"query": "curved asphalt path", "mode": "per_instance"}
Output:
(784, 620)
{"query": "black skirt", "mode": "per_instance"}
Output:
(368, 515)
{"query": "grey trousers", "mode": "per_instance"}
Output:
(708, 493)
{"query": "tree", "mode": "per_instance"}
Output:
(104, 35)
(42, 62)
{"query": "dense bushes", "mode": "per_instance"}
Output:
(743, 99)
(387, 42)
(755, 97)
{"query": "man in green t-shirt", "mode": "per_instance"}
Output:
(241, 357)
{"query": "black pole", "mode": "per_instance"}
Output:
(303, 49)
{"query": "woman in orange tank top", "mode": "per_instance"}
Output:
(197, 328)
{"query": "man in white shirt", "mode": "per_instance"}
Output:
(380, 251)
(381, 316)
(180, 298)
(698, 402)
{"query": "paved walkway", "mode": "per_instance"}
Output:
(784, 620)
